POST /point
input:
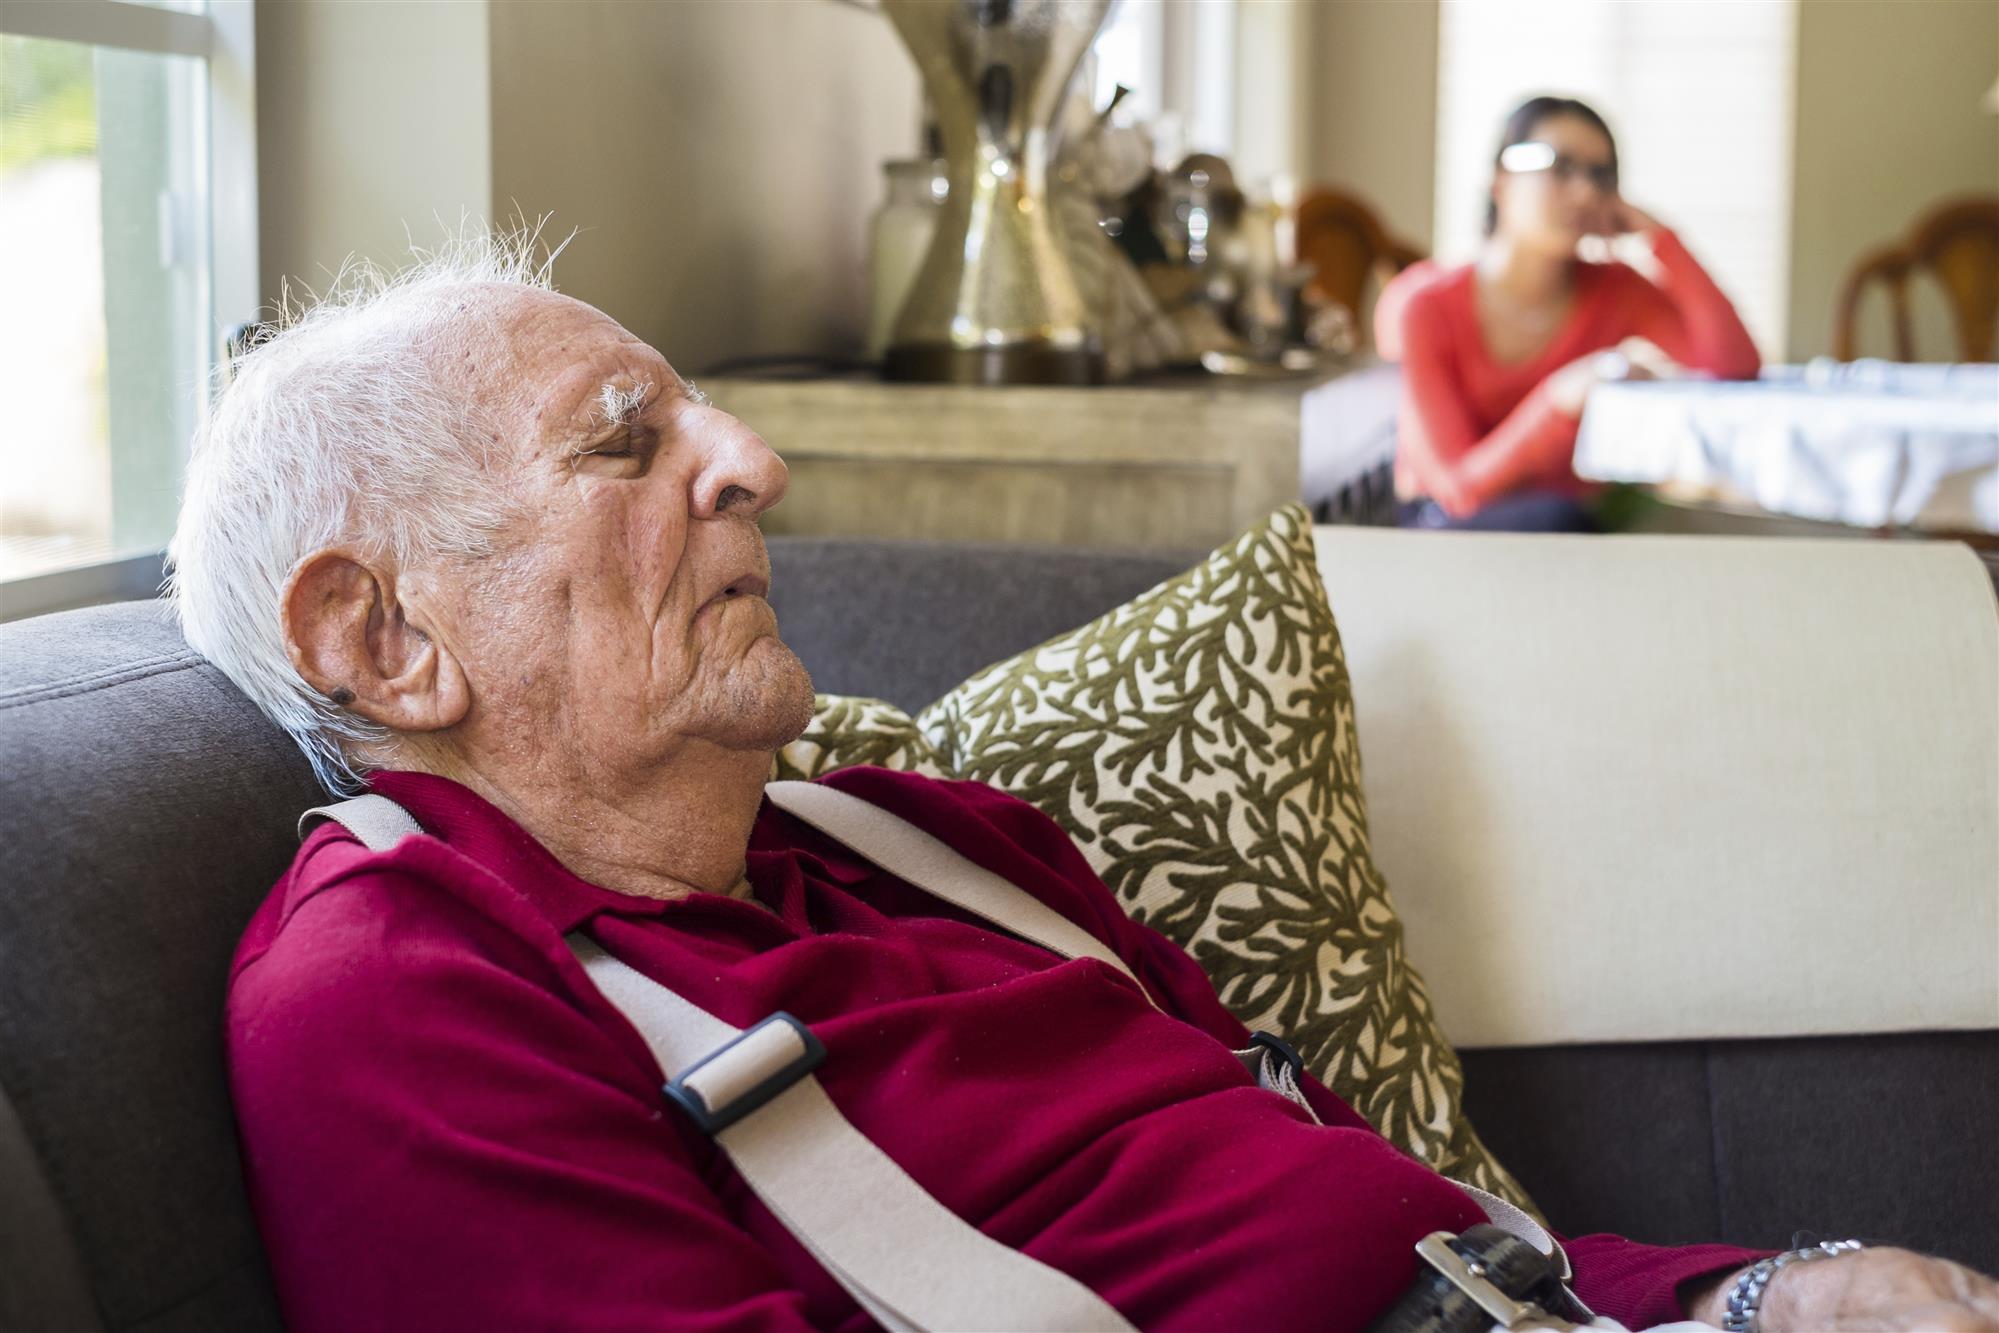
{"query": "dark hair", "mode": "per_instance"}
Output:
(1520, 129)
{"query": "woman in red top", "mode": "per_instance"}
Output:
(1499, 355)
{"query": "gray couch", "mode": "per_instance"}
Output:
(146, 808)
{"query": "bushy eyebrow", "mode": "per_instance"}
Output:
(620, 406)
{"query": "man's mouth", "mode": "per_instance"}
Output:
(749, 585)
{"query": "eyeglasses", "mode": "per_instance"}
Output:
(1524, 158)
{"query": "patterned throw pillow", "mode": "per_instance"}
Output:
(1199, 744)
(846, 731)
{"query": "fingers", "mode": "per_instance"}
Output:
(1975, 1291)
(1895, 1291)
(1650, 360)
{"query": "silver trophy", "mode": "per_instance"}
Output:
(995, 302)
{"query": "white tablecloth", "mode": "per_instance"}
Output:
(1867, 443)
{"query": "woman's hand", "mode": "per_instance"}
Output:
(1568, 388)
(1620, 217)
(1633, 359)
(1868, 1289)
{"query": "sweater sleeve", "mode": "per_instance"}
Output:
(1388, 307)
(1452, 463)
(1639, 1285)
(1690, 318)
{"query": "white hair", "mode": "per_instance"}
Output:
(339, 428)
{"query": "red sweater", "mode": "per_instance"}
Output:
(1473, 429)
(444, 1126)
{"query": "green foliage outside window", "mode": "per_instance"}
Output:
(47, 102)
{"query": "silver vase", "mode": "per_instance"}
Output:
(994, 302)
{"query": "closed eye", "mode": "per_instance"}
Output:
(624, 447)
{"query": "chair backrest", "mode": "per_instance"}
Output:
(1343, 241)
(1957, 242)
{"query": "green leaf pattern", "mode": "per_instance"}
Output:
(847, 731)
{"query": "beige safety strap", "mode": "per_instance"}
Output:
(908, 1260)
(377, 821)
(1511, 1219)
(911, 1262)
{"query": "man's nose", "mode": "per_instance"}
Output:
(740, 473)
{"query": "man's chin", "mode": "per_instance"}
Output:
(770, 699)
(796, 704)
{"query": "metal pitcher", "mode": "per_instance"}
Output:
(994, 302)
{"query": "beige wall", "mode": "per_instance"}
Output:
(1888, 123)
(1274, 42)
(720, 156)
(369, 117)
(1372, 121)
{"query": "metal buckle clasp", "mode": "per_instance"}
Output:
(735, 1079)
(1469, 1277)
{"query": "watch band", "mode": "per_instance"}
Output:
(1745, 1301)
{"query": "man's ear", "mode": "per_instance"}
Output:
(350, 637)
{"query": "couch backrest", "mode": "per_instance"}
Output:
(906, 621)
(146, 808)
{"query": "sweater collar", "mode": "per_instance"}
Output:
(476, 828)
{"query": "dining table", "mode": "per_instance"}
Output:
(1871, 444)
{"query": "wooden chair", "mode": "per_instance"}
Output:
(1958, 242)
(1344, 243)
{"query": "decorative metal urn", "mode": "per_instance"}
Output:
(995, 302)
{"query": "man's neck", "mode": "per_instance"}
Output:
(680, 827)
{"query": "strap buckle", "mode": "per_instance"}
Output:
(738, 1077)
(1469, 1277)
(1282, 1049)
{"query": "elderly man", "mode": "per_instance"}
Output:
(484, 553)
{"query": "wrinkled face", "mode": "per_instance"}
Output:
(623, 619)
(1558, 205)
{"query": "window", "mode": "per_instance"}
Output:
(1700, 96)
(127, 245)
(1179, 62)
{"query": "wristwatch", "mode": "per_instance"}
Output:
(1745, 1301)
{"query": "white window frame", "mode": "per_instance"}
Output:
(225, 37)
(1185, 83)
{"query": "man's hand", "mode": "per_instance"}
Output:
(1870, 1289)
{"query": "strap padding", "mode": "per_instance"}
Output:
(911, 1262)
(376, 821)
